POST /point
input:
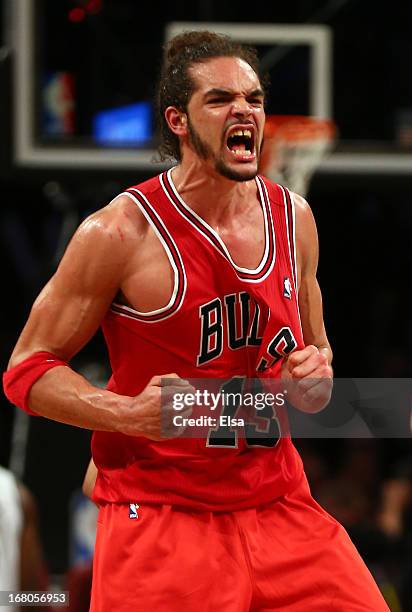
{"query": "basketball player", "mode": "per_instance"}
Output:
(197, 272)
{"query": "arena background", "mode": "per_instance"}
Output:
(105, 54)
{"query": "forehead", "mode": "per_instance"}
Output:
(224, 73)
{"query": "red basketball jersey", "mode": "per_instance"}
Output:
(222, 321)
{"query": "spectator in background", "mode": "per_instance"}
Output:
(22, 566)
(394, 521)
(378, 516)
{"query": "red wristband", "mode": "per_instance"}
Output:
(18, 381)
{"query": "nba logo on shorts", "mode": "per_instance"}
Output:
(287, 288)
(133, 508)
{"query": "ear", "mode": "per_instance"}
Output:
(176, 120)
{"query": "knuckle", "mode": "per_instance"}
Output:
(319, 361)
(292, 359)
(154, 394)
(327, 371)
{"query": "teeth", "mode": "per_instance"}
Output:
(241, 152)
(246, 133)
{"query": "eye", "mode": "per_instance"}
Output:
(255, 101)
(219, 100)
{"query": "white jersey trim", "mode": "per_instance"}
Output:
(128, 309)
(292, 247)
(218, 238)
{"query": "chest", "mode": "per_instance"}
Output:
(154, 270)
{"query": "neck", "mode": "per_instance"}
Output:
(210, 194)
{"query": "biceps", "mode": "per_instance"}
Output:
(311, 312)
(61, 321)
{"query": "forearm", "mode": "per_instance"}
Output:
(43, 384)
(65, 396)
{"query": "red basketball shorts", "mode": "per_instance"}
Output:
(289, 555)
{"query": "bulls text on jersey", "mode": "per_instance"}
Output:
(244, 324)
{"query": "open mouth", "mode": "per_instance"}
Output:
(241, 141)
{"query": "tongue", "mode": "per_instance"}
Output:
(239, 146)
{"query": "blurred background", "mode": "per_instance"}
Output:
(77, 125)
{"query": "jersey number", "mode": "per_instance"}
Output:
(266, 435)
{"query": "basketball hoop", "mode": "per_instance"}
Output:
(294, 147)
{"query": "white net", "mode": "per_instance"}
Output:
(294, 147)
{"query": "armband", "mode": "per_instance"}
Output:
(18, 381)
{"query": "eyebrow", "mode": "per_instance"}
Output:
(216, 91)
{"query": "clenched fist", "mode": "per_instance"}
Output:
(310, 379)
(151, 413)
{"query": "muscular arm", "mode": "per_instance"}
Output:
(310, 298)
(66, 315)
(68, 312)
(309, 367)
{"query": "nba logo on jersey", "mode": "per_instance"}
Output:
(287, 288)
(133, 511)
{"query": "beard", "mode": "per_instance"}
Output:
(204, 151)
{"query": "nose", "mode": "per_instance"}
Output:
(241, 107)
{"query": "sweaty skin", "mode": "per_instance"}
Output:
(115, 251)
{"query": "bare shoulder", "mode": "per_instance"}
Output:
(119, 221)
(124, 212)
(306, 233)
(302, 208)
(97, 257)
(304, 216)
(109, 234)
